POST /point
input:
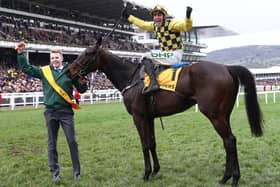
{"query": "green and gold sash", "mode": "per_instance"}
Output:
(48, 75)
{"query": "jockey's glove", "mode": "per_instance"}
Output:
(188, 12)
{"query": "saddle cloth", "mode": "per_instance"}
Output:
(167, 79)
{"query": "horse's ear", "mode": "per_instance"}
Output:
(99, 41)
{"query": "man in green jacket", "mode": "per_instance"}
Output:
(58, 111)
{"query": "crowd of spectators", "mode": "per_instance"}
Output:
(62, 13)
(31, 30)
(268, 83)
(99, 81)
(14, 81)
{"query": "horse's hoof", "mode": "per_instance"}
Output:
(234, 182)
(224, 179)
(155, 172)
(146, 178)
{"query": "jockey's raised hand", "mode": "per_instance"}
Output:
(188, 12)
(125, 13)
(20, 47)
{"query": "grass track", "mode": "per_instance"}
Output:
(190, 152)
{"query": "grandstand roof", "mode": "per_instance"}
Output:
(109, 9)
(211, 31)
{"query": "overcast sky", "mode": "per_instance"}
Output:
(257, 21)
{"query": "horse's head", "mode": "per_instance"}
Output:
(86, 62)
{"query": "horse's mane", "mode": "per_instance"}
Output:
(119, 70)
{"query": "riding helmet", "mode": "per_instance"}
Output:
(158, 8)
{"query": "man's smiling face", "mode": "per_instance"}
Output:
(56, 59)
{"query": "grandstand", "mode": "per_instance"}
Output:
(267, 78)
(266, 73)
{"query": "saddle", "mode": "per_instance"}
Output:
(167, 76)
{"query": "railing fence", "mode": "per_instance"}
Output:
(35, 99)
(13, 100)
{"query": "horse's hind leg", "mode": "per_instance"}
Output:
(221, 125)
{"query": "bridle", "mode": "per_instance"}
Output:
(84, 67)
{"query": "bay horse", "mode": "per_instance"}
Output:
(213, 87)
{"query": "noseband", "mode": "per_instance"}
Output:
(84, 67)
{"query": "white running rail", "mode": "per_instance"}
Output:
(35, 99)
(13, 100)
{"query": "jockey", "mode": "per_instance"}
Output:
(168, 33)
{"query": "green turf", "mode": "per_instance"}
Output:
(190, 152)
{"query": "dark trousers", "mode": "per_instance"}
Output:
(65, 118)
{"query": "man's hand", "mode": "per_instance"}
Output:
(20, 47)
(188, 12)
(125, 13)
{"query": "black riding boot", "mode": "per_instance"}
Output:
(149, 68)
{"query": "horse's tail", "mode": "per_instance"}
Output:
(252, 106)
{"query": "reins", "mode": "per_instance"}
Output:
(116, 24)
(129, 85)
(84, 67)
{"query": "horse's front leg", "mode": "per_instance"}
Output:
(147, 162)
(140, 125)
(146, 132)
(152, 143)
